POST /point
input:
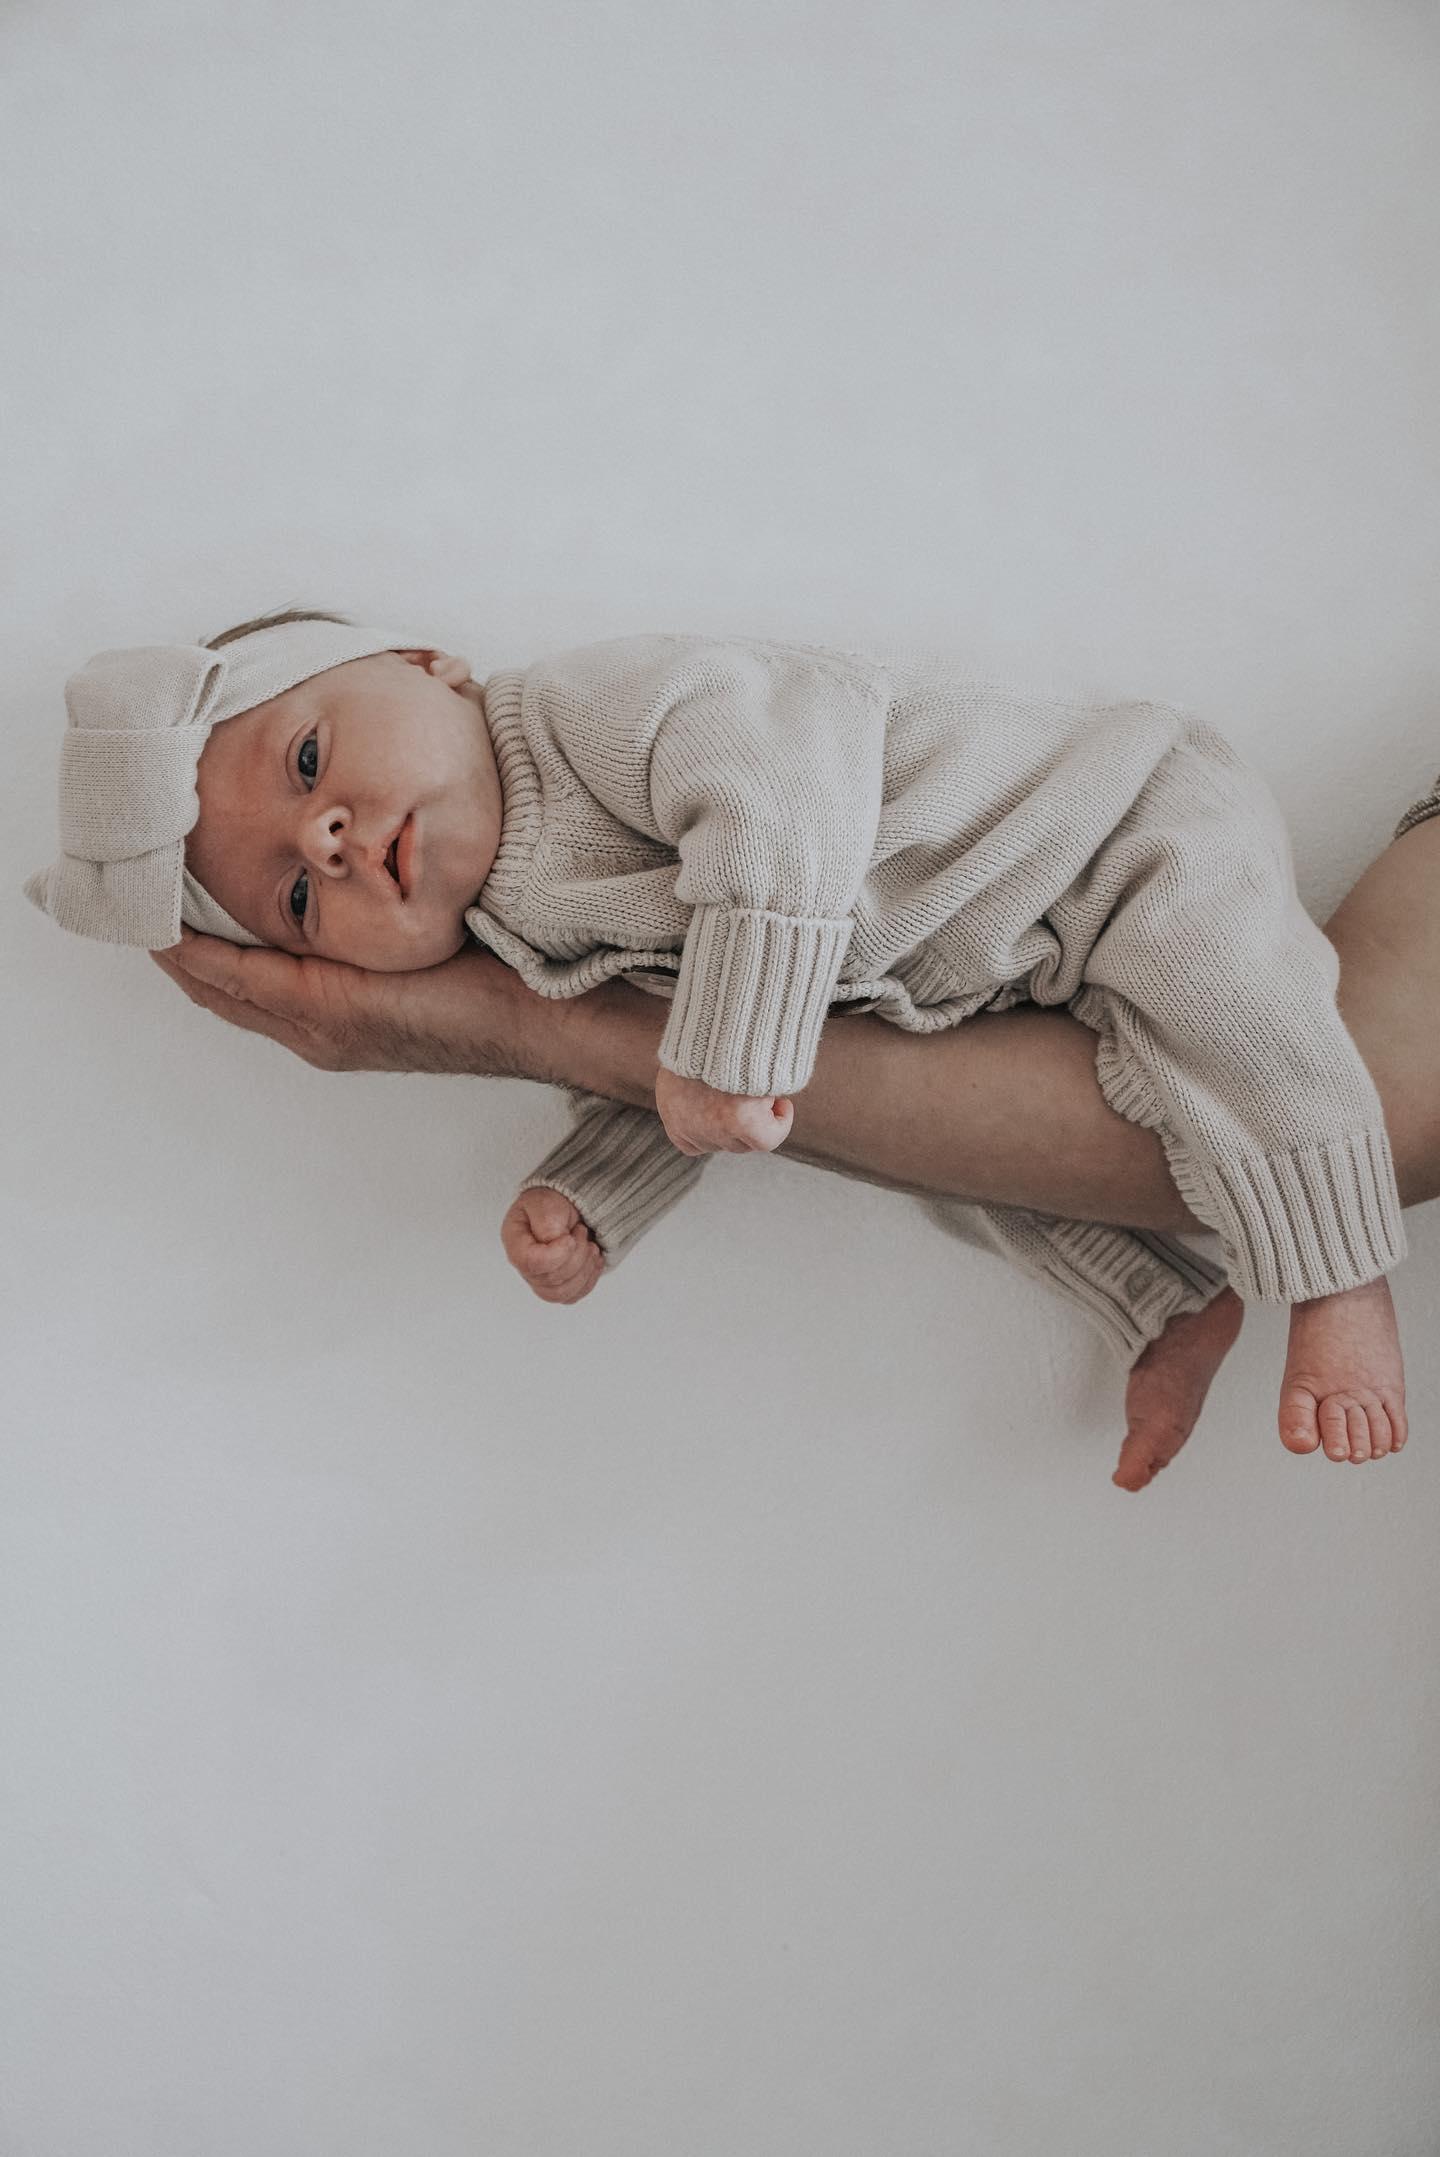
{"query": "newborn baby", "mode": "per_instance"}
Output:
(762, 832)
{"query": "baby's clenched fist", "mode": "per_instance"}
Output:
(699, 1119)
(547, 1242)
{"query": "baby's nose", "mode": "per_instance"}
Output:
(327, 841)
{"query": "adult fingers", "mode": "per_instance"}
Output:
(248, 975)
(250, 1018)
(332, 1003)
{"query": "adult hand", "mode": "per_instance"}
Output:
(466, 1015)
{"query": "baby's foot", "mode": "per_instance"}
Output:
(1344, 1385)
(1168, 1384)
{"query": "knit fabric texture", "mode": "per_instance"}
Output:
(1420, 811)
(762, 831)
(139, 717)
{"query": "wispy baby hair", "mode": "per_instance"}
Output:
(273, 621)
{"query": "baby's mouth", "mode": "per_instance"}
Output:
(399, 857)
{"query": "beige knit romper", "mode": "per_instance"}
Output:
(769, 831)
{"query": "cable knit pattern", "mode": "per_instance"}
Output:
(766, 830)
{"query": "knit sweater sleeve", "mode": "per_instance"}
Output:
(617, 1167)
(766, 774)
(760, 766)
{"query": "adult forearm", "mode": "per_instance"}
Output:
(1005, 1108)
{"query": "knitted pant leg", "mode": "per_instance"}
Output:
(1129, 1283)
(1213, 993)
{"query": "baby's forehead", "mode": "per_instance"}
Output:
(238, 753)
(333, 689)
(239, 762)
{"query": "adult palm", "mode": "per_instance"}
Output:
(463, 1016)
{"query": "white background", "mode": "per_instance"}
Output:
(736, 1715)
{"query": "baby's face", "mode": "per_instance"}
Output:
(355, 817)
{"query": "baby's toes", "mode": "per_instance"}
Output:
(1357, 1423)
(1354, 1427)
(1399, 1428)
(1382, 1437)
(1371, 1435)
(1298, 1430)
(1340, 1421)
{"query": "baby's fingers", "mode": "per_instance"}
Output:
(764, 1124)
(546, 1212)
(565, 1271)
(556, 1257)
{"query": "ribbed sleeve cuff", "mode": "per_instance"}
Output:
(619, 1170)
(1312, 1222)
(751, 997)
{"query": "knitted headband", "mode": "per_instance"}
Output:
(138, 720)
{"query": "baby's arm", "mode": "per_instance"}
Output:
(766, 774)
(605, 1185)
(761, 767)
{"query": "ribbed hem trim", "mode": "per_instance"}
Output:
(1130, 1296)
(621, 1173)
(1419, 811)
(751, 998)
(1314, 1221)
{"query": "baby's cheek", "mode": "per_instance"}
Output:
(414, 945)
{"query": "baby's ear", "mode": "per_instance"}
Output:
(420, 658)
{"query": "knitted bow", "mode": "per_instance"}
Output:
(138, 720)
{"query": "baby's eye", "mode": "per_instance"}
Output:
(307, 757)
(300, 896)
